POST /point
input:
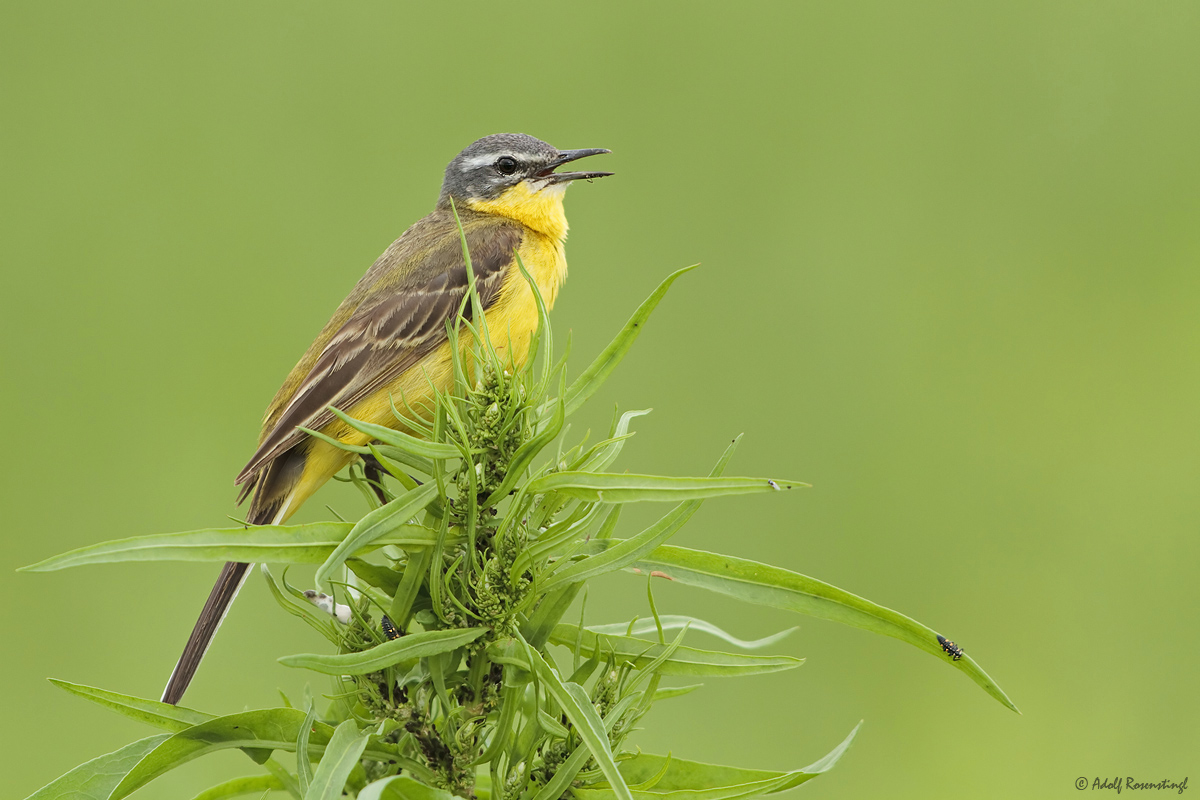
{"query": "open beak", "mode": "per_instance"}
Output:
(567, 156)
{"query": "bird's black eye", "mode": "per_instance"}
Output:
(506, 165)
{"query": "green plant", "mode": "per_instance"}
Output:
(447, 597)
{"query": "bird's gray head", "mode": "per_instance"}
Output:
(495, 164)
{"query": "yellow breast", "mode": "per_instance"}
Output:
(513, 318)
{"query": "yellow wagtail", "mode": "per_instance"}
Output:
(388, 338)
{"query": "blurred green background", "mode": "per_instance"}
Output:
(950, 277)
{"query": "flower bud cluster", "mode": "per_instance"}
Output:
(497, 425)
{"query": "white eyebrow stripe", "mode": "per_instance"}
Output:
(478, 161)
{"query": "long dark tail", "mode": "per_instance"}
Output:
(233, 575)
(270, 494)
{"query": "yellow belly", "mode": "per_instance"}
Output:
(511, 322)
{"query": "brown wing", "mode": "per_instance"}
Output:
(390, 332)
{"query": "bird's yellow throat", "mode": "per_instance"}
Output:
(540, 210)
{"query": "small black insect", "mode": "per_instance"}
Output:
(392, 632)
(952, 650)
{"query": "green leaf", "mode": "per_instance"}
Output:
(512, 694)
(552, 726)
(340, 759)
(626, 552)
(383, 578)
(402, 787)
(624, 488)
(542, 331)
(267, 729)
(623, 552)
(684, 661)
(672, 778)
(262, 730)
(766, 585)
(564, 775)
(415, 570)
(401, 441)
(406, 648)
(558, 536)
(171, 718)
(376, 525)
(285, 778)
(597, 373)
(300, 606)
(151, 712)
(96, 779)
(674, 691)
(256, 784)
(606, 452)
(401, 457)
(652, 673)
(304, 772)
(673, 622)
(260, 544)
(553, 605)
(575, 703)
(294, 544)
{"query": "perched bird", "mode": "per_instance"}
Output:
(388, 337)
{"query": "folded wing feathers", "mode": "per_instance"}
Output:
(380, 341)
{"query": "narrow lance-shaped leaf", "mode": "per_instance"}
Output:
(255, 729)
(594, 376)
(627, 551)
(652, 672)
(151, 712)
(300, 606)
(422, 464)
(376, 525)
(415, 570)
(171, 718)
(669, 778)
(684, 661)
(626, 488)
(401, 458)
(554, 604)
(96, 779)
(557, 538)
(312, 543)
(238, 787)
(543, 335)
(575, 703)
(402, 787)
(406, 648)
(483, 338)
(674, 622)
(773, 586)
(304, 771)
(277, 544)
(606, 452)
(564, 775)
(512, 692)
(400, 440)
(383, 578)
(674, 691)
(262, 730)
(341, 757)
